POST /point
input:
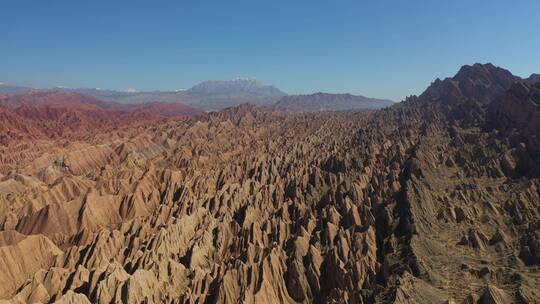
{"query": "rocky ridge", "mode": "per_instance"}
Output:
(320, 102)
(434, 200)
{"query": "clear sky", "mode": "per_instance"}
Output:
(385, 49)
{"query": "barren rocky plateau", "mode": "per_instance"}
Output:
(432, 200)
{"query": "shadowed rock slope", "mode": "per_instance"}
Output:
(435, 200)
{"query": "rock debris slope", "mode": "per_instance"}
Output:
(434, 200)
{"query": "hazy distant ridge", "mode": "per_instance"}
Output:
(330, 102)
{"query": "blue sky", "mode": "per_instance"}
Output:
(386, 49)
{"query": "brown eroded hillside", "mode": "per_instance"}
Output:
(59, 114)
(433, 200)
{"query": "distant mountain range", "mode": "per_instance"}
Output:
(208, 95)
(220, 94)
(13, 89)
(329, 102)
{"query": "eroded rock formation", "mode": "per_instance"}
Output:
(428, 201)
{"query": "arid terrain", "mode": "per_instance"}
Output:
(433, 200)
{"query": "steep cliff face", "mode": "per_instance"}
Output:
(422, 202)
(518, 108)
